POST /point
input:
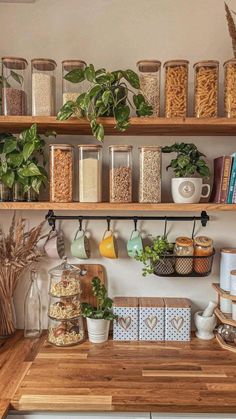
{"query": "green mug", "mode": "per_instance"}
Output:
(80, 245)
(134, 244)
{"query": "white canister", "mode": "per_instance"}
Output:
(234, 310)
(233, 282)
(227, 263)
(225, 305)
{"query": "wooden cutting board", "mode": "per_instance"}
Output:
(92, 271)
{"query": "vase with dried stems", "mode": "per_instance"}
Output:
(18, 251)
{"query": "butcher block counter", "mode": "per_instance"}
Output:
(116, 377)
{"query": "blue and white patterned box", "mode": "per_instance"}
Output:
(151, 319)
(126, 326)
(177, 319)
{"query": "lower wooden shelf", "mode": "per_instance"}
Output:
(228, 346)
(225, 318)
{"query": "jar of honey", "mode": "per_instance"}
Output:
(203, 246)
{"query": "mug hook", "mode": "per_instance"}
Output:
(165, 227)
(135, 223)
(108, 223)
(80, 223)
(194, 225)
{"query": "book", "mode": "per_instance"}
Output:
(222, 170)
(232, 180)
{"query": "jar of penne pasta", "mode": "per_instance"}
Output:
(206, 89)
(230, 88)
(176, 88)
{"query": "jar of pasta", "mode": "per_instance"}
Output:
(65, 280)
(61, 173)
(90, 173)
(70, 89)
(14, 92)
(120, 173)
(206, 89)
(230, 88)
(203, 246)
(149, 78)
(183, 247)
(176, 88)
(150, 174)
(43, 87)
(66, 332)
(63, 308)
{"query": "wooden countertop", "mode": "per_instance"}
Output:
(117, 376)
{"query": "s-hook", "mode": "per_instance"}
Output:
(80, 222)
(165, 228)
(194, 225)
(135, 223)
(108, 223)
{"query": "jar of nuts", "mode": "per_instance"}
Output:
(149, 78)
(61, 173)
(120, 173)
(230, 88)
(70, 90)
(206, 89)
(150, 174)
(176, 88)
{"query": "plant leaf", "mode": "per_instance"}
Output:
(15, 159)
(8, 178)
(75, 76)
(30, 170)
(28, 149)
(9, 145)
(132, 78)
(17, 77)
(90, 73)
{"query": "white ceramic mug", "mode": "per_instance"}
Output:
(54, 246)
(188, 190)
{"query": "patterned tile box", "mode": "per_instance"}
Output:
(151, 319)
(126, 326)
(177, 319)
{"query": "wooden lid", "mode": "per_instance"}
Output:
(228, 250)
(90, 147)
(203, 241)
(177, 302)
(151, 302)
(15, 63)
(150, 147)
(184, 241)
(174, 63)
(120, 147)
(148, 66)
(233, 272)
(43, 64)
(69, 65)
(206, 63)
(231, 61)
(125, 302)
(61, 146)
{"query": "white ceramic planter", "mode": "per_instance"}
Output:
(205, 326)
(98, 330)
(188, 190)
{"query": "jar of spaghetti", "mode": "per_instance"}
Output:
(230, 88)
(203, 246)
(206, 89)
(184, 251)
(176, 88)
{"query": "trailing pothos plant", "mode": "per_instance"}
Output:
(188, 162)
(151, 255)
(108, 94)
(103, 309)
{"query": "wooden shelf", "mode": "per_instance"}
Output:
(228, 346)
(138, 126)
(224, 318)
(223, 293)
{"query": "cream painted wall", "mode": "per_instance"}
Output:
(114, 34)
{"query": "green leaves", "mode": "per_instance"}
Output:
(66, 110)
(17, 77)
(104, 303)
(132, 78)
(75, 76)
(142, 107)
(90, 73)
(29, 170)
(28, 150)
(157, 251)
(10, 145)
(8, 178)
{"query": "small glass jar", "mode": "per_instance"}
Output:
(203, 246)
(65, 333)
(71, 91)
(206, 89)
(31, 195)
(120, 173)
(61, 173)
(183, 247)
(18, 194)
(5, 192)
(150, 174)
(90, 173)
(176, 88)
(63, 308)
(43, 87)
(65, 280)
(149, 78)
(230, 88)
(14, 93)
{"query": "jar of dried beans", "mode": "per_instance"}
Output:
(149, 77)
(90, 173)
(176, 88)
(120, 173)
(150, 174)
(43, 87)
(183, 247)
(14, 93)
(206, 89)
(71, 89)
(203, 246)
(61, 173)
(230, 88)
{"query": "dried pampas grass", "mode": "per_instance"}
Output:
(231, 27)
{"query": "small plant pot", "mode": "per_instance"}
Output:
(188, 190)
(98, 330)
(205, 326)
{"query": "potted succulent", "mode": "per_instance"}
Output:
(189, 167)
(99, 317)
(155, 257)
(108, 94)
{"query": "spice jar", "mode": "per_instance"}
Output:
(64, 308)
(70, 90)
(176, 88)
(64, 280)
(120, 173)
(150, 174)
(14, 94)
(183, 247)
(149, 78)
(203, 246)
(206, 89)
(90, 173)
(43, 87)
(61, 173)
(65, 333)
(230, 88)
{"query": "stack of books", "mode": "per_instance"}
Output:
(224, 185)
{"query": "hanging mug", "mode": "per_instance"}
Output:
(80, 245)
(54, 246)
(108, 245)
(134, 244)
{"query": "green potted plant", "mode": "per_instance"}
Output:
(98, 318)
(155, 257)
(189, 168)
(108, 94)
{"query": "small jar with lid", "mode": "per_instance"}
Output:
(120, 173)
(65, 280)
(176, 88)
(184, 247)
(150, 174)
(203, 246)
(63, 308)
(71, 89)
(90, 173)
(206, 88)
(66, 332)
(149, 78)
(43, 87)
(61, 173)
(14, 92)
(230, 88)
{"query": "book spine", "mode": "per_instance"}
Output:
(225, 179)
(232, 182)
(218, 174)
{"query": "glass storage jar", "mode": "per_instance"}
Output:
(33, 309)
(5, 192)
(61, 173)
(230, 88)
(206, 89)
(176, 88)
(18, 194)
(149, 78)
(150, 174)
(203, 246)
(71, 90)
(90, 173)
(183, 247)
(14, 93)
(120, 173)
(64, 280)
(43, 87)
(63, 308)
(66, 332)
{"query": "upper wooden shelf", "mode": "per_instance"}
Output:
(138, 126)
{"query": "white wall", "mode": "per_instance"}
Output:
(114, 34)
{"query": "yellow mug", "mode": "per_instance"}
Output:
(108, 246)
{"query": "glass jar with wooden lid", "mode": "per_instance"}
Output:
(90, 173)
(61, 172)
(183, 247)
(14, 92)
(206, 86)
(203, 246)
(230, 88)
(176, 88)
(72, 85)
(150, 174)
(43, 87)
(120, 184)
(149, 78)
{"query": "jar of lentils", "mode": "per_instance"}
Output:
(149, 77)
(203, 246)
(14, 92)
(230, 88)
(150, 174)
(120, 173)
(206, 89)
(176, 88)
(183, 247)
(61, 173)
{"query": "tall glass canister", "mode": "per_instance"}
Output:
(14, 92)
(120, 173)
(61, 173)
(149, 77)
(176, 88)
(70, 88)
(150, 174)
(90, 173)
(32, 309)
(230, 88)
(43, 87)
(206, 89)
